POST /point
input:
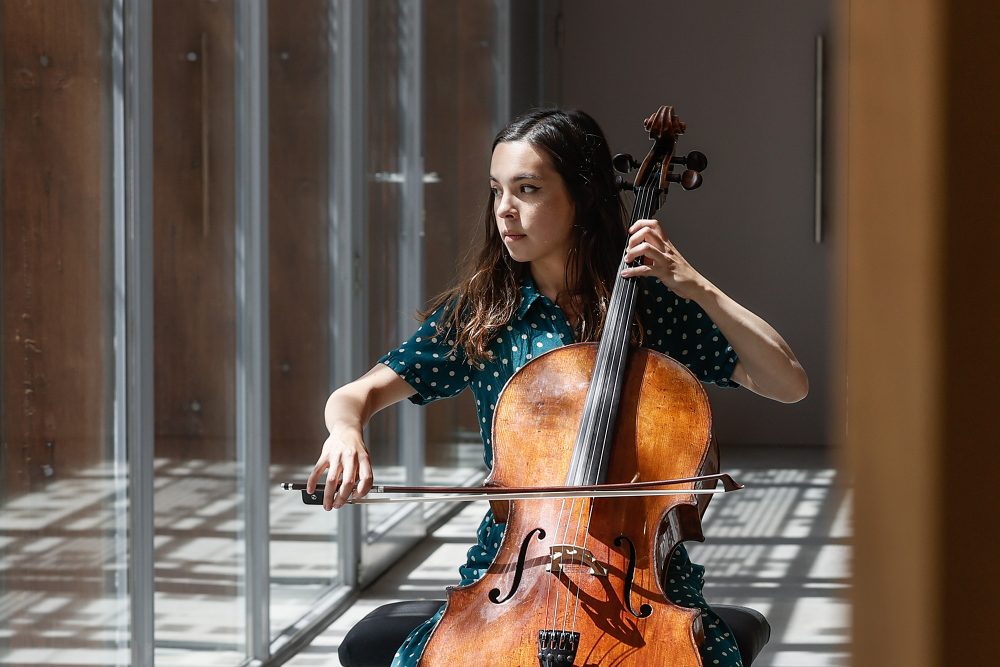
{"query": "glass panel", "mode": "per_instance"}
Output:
(63, 556)
(198, 496)
(458, 93)
(304, 556)
(460, 100)
(386, 525)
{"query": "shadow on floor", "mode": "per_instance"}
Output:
(780, 546)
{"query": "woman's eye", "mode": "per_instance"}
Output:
(495, 190)
(527, 189)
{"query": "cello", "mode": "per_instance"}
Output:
(580, 580)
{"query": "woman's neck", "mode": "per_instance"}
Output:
(550, 279)
(551, 282)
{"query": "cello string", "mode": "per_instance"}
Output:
(617, 311)
(582, 463)
(617, 331)
(579, 465)
(548, 584)
(622, 309)
(619, 324)
(623, 348)
(619, 351)
(592, 426)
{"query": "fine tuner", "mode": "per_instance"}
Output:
(690, 178)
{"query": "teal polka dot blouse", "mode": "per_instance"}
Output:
(428, 361)
(676, 327)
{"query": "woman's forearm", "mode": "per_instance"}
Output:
(348, 406)
(354, 404)
(766, 359)
(344, 459)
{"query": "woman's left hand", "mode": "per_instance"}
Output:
(660, 259)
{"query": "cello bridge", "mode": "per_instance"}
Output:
(570, 554)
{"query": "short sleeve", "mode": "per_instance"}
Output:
(680, 329)
(429, 362)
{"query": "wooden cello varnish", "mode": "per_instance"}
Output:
(585, 577)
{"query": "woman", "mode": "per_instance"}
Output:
(554, 229)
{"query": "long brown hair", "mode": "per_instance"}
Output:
(488, 292)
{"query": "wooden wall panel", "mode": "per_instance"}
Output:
(922, 321)
(299, 63)
(892, 231)
(56, 246)
(970, 319)
(193, 164)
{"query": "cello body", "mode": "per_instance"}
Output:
(663, 431)
(580, 581)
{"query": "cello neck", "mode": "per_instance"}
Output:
(591, 452)
(596, 432)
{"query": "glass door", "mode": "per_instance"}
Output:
(304, 556)
(394, 214)
(63, 470)
(432, 80)
(465, 69)
(199, 495)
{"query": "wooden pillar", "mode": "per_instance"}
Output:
(920, 101)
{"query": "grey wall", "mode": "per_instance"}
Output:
(742, 76)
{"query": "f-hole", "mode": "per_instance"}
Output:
(494, 594)
(644, 610)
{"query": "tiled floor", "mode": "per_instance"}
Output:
(65, 590)
(779, 546)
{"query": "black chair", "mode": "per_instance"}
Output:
(374, 640)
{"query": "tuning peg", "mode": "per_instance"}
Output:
(624, 183)
(695, 160)
(689, 180)
(624, 163)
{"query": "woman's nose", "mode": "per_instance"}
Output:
(505, 206)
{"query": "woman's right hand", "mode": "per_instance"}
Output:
(348, 467)
(345, 457)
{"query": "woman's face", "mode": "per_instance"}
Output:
(531, 205)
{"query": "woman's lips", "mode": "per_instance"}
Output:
(513, 237)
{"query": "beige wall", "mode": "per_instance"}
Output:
(742, 75)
